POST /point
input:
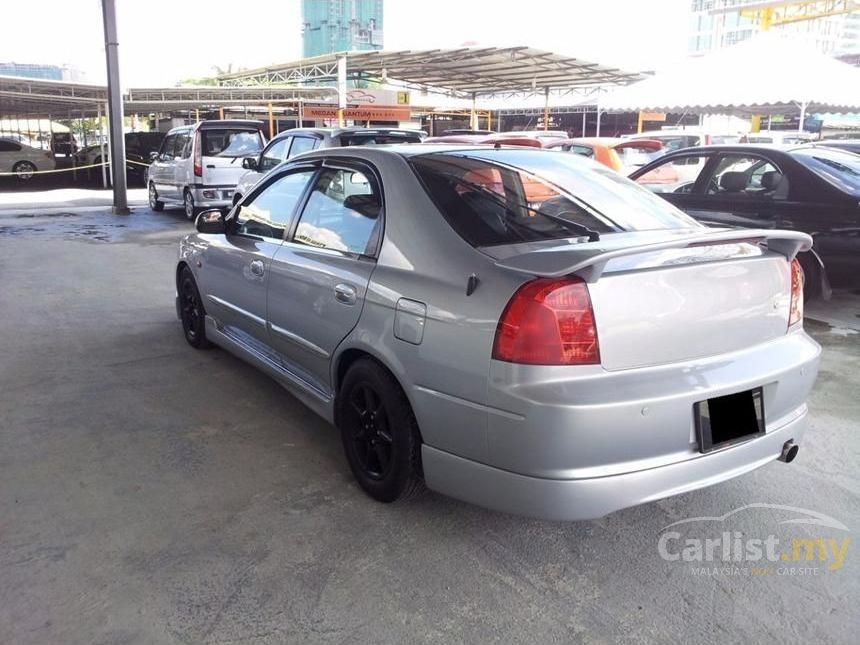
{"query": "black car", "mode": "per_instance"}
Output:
(805, 188)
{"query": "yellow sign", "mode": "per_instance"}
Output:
(403, 98)
(652, 116)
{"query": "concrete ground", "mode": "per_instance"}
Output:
(150, 493)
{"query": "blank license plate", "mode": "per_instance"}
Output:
(730, 419)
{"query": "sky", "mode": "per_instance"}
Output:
(164, 41)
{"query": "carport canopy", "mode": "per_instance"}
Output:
(28, 97)
(464, 71)
(769, 74)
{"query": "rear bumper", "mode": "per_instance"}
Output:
(213, 196)
(582, 499)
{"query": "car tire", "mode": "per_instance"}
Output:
(379, 432)
(154, 204)
(190, 209)
(191, 310)
(24, 170)
(811, 276)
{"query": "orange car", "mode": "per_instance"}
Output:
(622, 155)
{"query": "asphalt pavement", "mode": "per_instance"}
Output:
(151, 493)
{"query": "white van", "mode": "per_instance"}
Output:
(198, 166)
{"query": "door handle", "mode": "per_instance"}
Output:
(345, 293)
(257, 268)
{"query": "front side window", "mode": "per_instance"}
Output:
(269, 212)
(167, 147)
(302, 144)
(181, 149)
(677, 175)
(516, 196)
(274, 154)
(342, 213)
(227, 142)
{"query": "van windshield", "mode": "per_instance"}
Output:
(230, 142)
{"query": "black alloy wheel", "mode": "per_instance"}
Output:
(191, 311)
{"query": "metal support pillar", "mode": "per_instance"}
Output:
(473, 115)
(341, 89)
(546, 109)
(115, 110)
(102, 146)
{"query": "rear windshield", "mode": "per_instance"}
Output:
(377, 139)
(510, 196)
(231, 142)
(835, 166)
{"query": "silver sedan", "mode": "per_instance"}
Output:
(517, 328)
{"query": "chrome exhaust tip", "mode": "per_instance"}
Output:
(789, 451)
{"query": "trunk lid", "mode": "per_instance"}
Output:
(667, 296)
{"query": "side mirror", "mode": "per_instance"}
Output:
(153, 156)
(211, 222)
(249, 163)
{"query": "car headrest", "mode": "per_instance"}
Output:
(770, 180)
(733, 182)
(367, 205)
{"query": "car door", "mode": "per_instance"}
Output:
(676, 178)
(161, 170)
(740, 189)
(182, 169)
(235, 271)
(319, 276)
(8, 156)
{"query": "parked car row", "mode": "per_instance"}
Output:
(139, 147)
(23, 160)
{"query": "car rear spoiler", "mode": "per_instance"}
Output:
(589, 259)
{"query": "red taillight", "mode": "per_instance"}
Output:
(795, 311)
(548, 322)
(198, 155)
(708, 139)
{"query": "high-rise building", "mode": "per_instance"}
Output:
(46, 72)
(341, 25)
(715, 24)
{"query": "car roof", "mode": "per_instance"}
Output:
(413, 150)
(736, 147)
(335, 132)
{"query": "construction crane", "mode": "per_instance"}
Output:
(786, 12)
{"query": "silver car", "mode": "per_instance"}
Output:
(521, 329)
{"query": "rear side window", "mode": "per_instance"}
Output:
(835, 166)
(521, 197)
(229, 142)
(8, 146)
